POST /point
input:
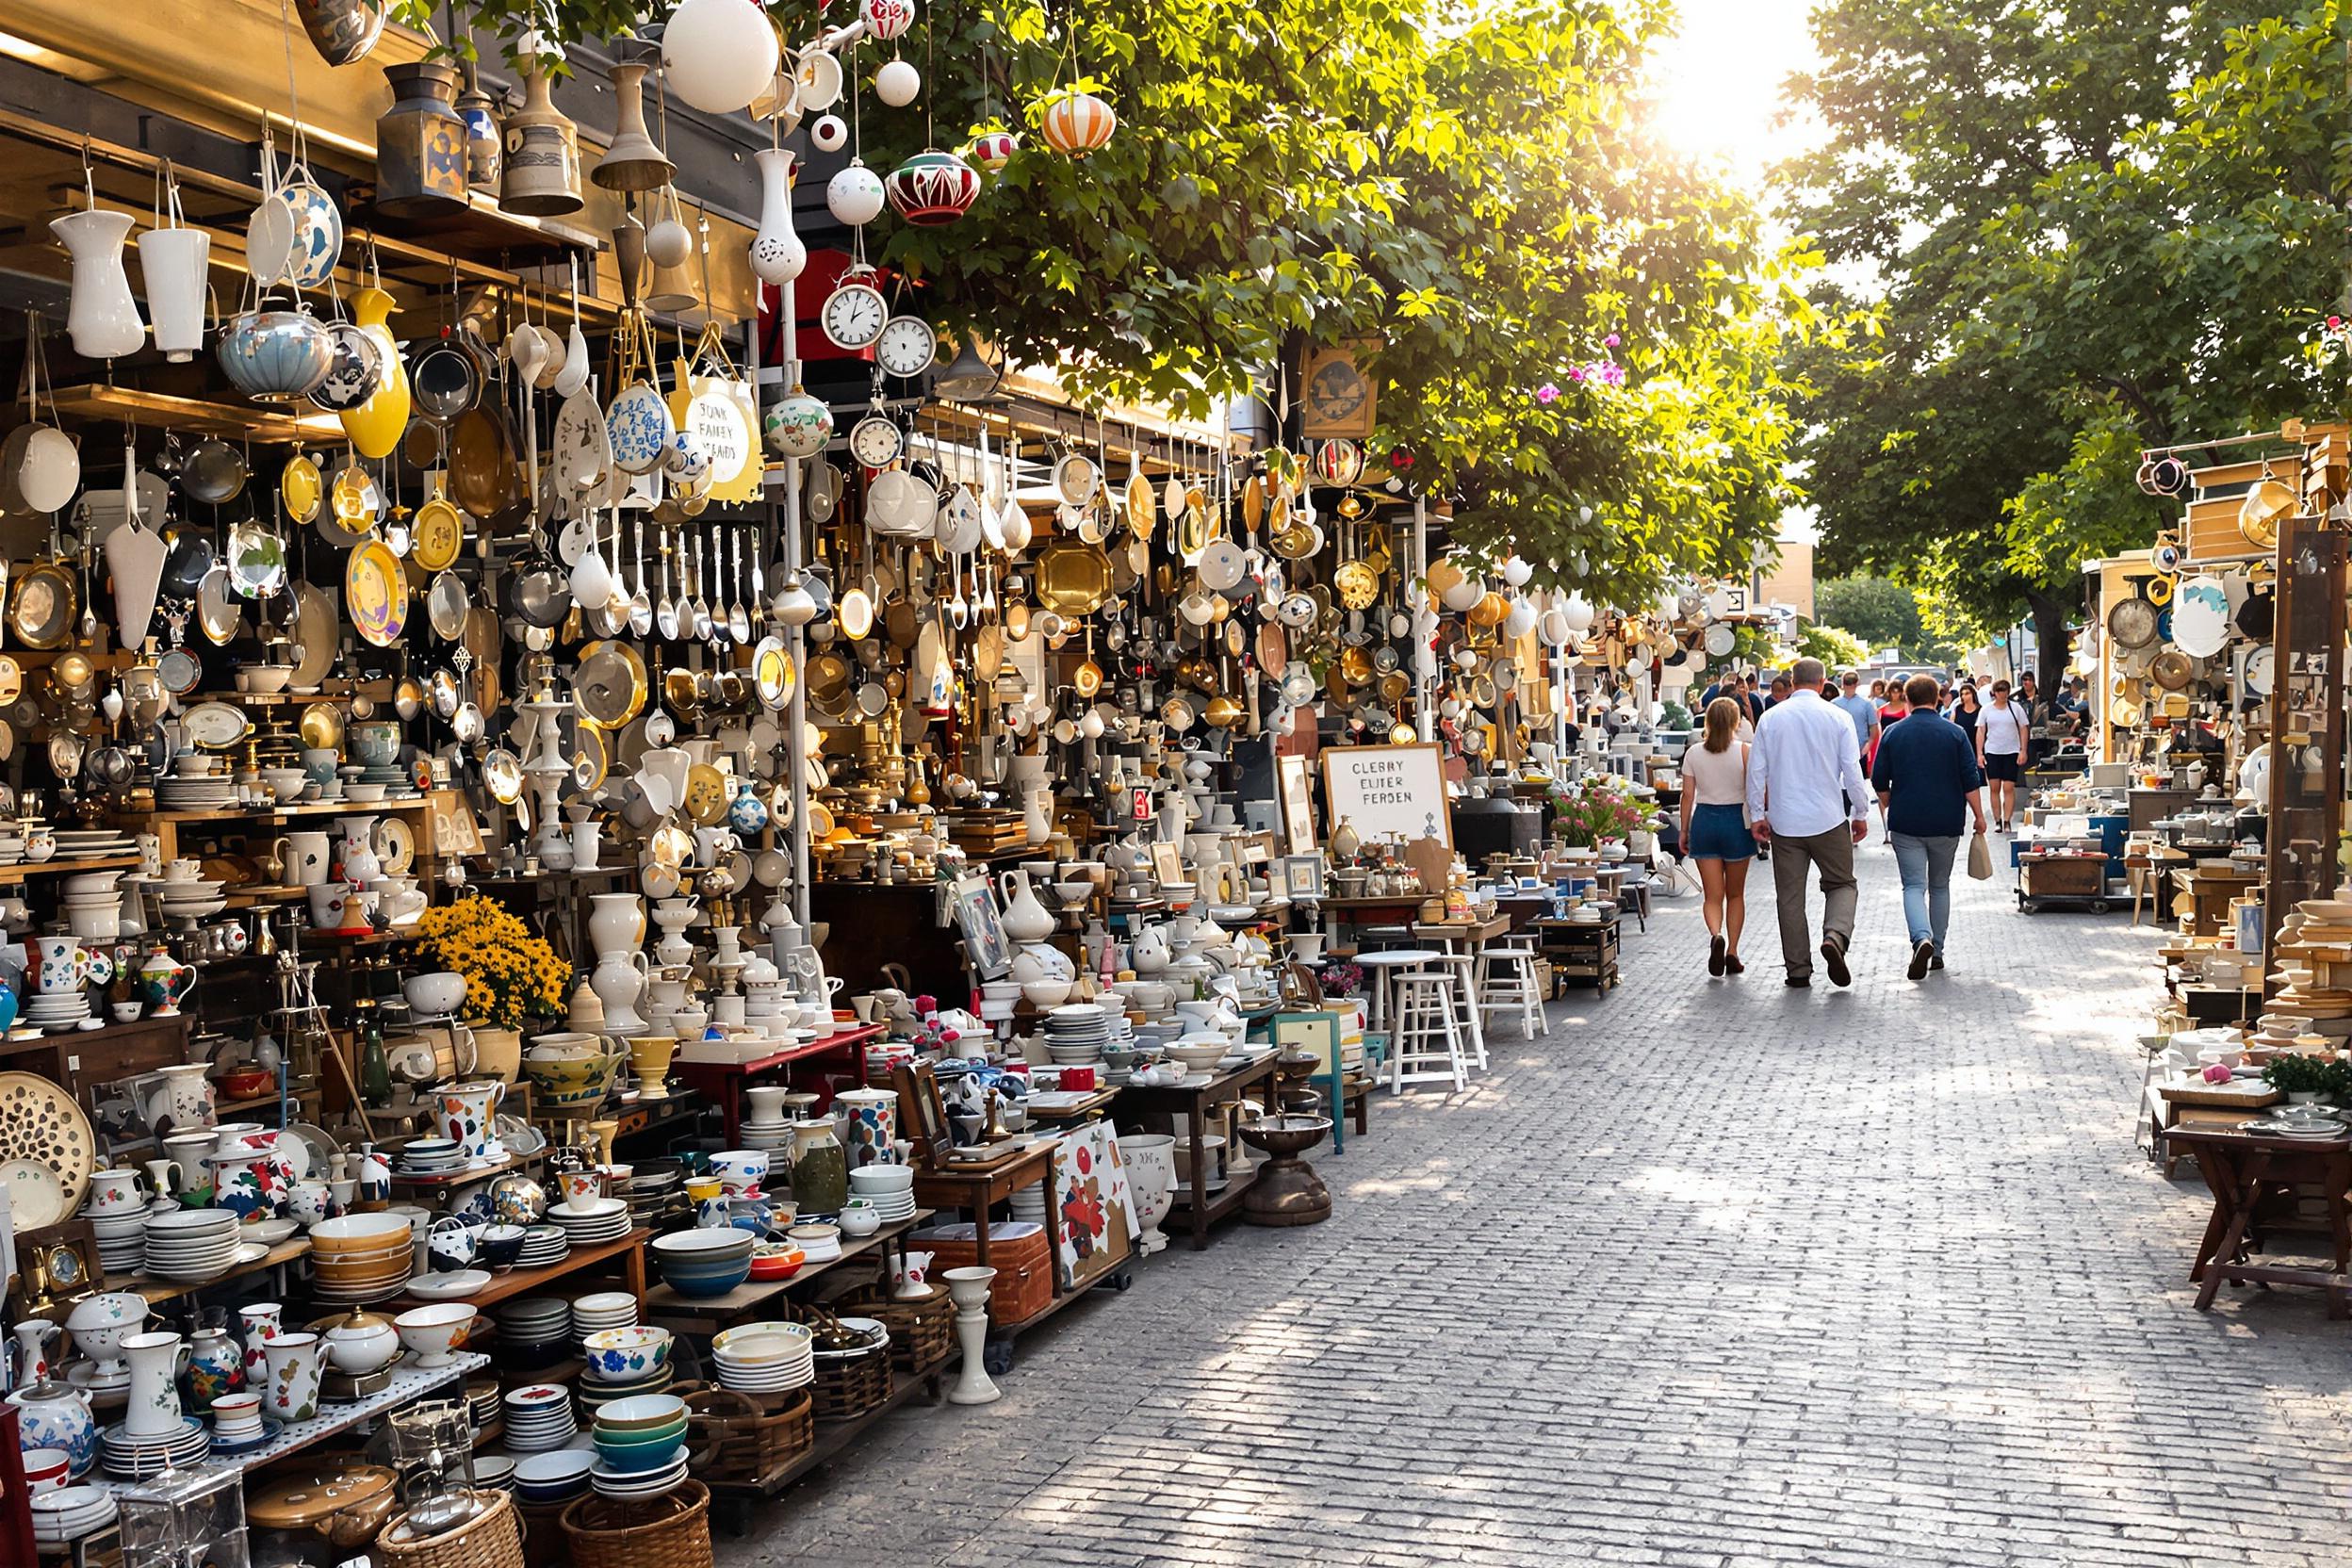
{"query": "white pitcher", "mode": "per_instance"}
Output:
(104, 321)
(295, 1361)
(156, 1361)
(306, 858)
(1026, 919)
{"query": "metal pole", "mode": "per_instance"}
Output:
(1424, 655)
(797, 638)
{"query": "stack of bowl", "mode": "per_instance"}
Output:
(482, 1405)
(121, 1239)
(641, 1445)
(776, 1260)
(358, 1257)
(535, 1330)
(569, 1071)
(190, 1245)
(63, 1516)
(652, 1190)
(538, 1418)
(94, 905)
(764, 1358)
(703, 1262)
(627, 1355)
(890, 1188)
(547, 1479)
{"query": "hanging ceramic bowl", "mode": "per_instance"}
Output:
(376, 590)
(640, 428)
(275, 356)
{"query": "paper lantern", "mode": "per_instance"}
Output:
(719, 55)
(992, 150)
(932, 188)
(855, 195)
(1078, 124)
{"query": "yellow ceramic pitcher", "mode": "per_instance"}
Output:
(375, 425)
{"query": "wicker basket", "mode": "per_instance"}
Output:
(491, 1539)
(850, 1386)
(738, 1440)
(543, 1533)
(669, 1532)
(922, 1328)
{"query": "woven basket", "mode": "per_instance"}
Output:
(669, 1532)
(850, 1386)
(737, 1440)
(543, 1533)
(922, 1328)
(491, 1539)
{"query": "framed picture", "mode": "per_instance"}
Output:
(1388, 791)
(1292, 784)
(982, 930)
(130, 1117)
(1168, 863)
(1302, 877)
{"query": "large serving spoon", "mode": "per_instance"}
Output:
(665, 614)
(701, 608)
(737, 615)
(641, 603)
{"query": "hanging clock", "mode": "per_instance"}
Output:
(875, 442)
(853, 314)
(908, 346)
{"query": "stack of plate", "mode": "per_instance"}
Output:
(134, 1458)
(122, 1240)
(542, 1245)
(597, 1220)
(94, 843)
(190, 1245)
(189, 900)
(770, 1133)
(534, 1320)
(606, 1309)
(650, 1193)
(1076, 1034)
(641, 1445)
(764, 1358)
(494, 1471)
(64, 1516)
(196, 792)
(53, 1011)
(432, 1157)
(703, 1262)
(890, 1188)
(357, 1258)
(551, 1477)
(539, 1417)
(594, 1394)
(481, 1402)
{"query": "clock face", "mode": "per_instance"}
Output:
(875, 442)
(908, 346)
(854, 315)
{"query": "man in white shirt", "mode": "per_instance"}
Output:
(1807, 794)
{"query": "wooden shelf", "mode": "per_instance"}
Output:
(120, 405)
(314, 808)
(1222, 1202)
(705, 1315)
(166, 1290)
(831, 1438)
(522, 1282)
(23, 869)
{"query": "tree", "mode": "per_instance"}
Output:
(2140, 211)
(1832, 645)
(1882, 613)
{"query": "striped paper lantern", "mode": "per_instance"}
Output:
(1078, 124)
(932, 188)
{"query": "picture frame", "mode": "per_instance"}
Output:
(1294, 790)
(1302, 877)
(982, 927)
(1168, 863)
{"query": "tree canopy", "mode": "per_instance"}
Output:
(2080, 229)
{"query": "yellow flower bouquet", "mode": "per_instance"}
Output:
(512, 976)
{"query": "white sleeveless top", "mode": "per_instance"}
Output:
(1721, 778)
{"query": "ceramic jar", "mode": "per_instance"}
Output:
(616, 923)
(820, 1169)
(53, 1415)
(294, 1364)
(1151, 1161)
(362, 1342)
(542, 176)
(869, 1124)
(100, 1324)
(421, 158)
(464, 1113)
(215, 1369)
(164, 980)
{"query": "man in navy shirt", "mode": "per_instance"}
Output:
(1926, 777)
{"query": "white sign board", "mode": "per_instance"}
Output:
(1385, 789)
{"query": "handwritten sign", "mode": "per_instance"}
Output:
(1385, 789)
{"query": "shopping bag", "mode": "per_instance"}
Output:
(1980, 857)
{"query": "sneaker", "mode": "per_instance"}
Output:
(1922, 955)
(1834, 960)
(1715, 951)
(1798, 982)
(1937, 962)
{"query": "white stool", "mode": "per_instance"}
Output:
(1461, 965)
(1425, 1045)
(1378, 968)
(1506, 985)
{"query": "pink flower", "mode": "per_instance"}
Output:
(2335, 323)
(1575, 373)
(1609, 342)
(1547, 392)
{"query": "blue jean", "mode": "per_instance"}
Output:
(1926, 866)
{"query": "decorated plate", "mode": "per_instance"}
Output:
(215, 726)
(640, 428)
(376, 590)
(583, 454)
(40, 1122)
(439, 530)
(396, 843)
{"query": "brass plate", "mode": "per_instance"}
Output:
(301, 487)
(1357, 584)
(706, 794)
(610, 687)
(41, 606)
(321, 727)
(439, 534)
(1072, 579)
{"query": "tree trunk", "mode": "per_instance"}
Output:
(2053, 642)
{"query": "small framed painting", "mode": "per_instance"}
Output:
(982, 928)
(1302, 878)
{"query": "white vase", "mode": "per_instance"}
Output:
(1037, 815)
(1150, 1159)
(587, 841)
(172, 265)
(619, 980)
(104, 321)
(1026, 920)
(153, 1409)
(968, 1289)
(616, 923)
(777, 256)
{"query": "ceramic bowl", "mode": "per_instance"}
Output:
(435, 995)
(640, 1412)
(627, 1353)
(356, 1233)
(433, 1331)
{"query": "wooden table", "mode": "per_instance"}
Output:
(2249, 1173)
(1193, 1099)
(629, 1250)
(758, 1298)
(722, 1083)
(982, 1189)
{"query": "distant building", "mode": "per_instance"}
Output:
(1789, 579)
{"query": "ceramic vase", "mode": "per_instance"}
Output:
(1151, 1160)
(294, 1363)
(968, 1289)
(632, 161)
(53, 1415)
(616, 923)
(102, 321)
(376, 426)
(869, 1125)
(464, 1113)
(215, 1369)
(342, 30)
(262, 1322)
(173, 265)
(619, 980)
(421, 169)
(154, 1408)
(1026, 918)
(777, 254)
(541, 177)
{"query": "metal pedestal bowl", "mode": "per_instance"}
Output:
(1287, 1191)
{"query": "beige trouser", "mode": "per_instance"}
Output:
(1833, 852)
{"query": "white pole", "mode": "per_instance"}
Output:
(1424, 655)
(797, 638)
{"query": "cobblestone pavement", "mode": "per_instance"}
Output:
(1721, 1274)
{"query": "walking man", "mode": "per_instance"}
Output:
(1861, 709)
(1925, 773)
(1807, 796)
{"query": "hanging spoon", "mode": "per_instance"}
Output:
(738, 616)
(640, 604)
(701, 610)
(665, 614)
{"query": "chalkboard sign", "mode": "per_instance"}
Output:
(1385, 789)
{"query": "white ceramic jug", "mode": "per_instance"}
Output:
(777, 254)
(104, 319)
(1026, 920)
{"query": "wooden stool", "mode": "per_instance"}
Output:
(1426, 1043)
(1507, 984)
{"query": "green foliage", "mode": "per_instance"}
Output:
(1881, 614)
(2090, 227)
(2293, 1072)
(1835, 646)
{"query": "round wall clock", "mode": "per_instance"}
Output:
(853, 314)
(908, 346)
(875, 442)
